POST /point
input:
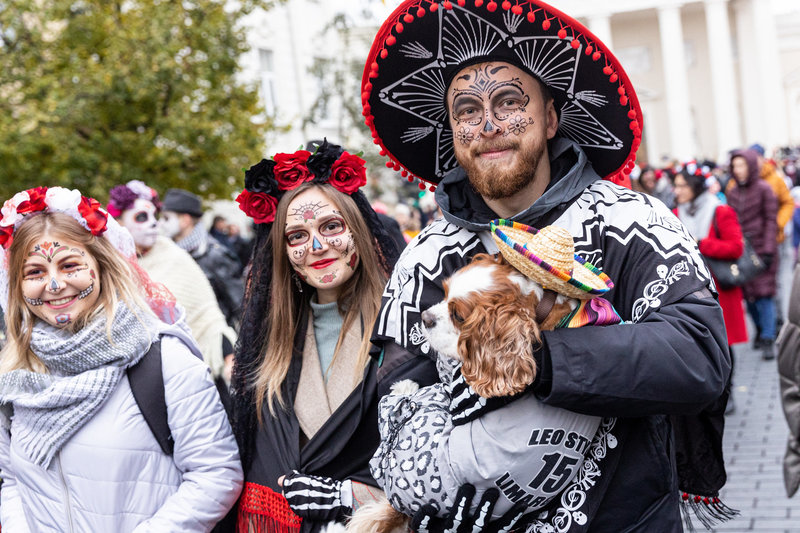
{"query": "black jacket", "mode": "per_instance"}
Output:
(341, 449)
(224, 272)
(670, 358)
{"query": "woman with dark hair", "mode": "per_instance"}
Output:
(305, 388)
(655, 183)
(756, 206)
(715, 228)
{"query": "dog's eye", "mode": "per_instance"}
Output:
(456, 317)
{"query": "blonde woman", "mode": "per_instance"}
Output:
(76, 453)
(305, 388)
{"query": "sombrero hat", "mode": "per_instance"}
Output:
(547, 256)
(424, 43)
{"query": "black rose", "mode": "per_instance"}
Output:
(261, 178)
(321, 161)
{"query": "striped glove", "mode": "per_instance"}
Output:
(317, 498)
(466, 405)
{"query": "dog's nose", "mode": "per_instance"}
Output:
(428, 320)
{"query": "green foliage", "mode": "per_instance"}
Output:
(94, 93)
(339, 80)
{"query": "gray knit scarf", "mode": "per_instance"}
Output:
(84, 370)
(197, 239)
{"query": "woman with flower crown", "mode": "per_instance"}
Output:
(76, 451)
(305, 388)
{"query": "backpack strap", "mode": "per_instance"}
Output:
(147, 385)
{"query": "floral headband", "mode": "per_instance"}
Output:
(693, 168)
(87, 211)
(122, 197)
(267, 181)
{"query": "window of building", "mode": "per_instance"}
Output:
(267, 72)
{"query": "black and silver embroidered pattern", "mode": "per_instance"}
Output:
(466, 36)
(33, 301)
(638, 221)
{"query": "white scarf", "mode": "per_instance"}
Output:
(698, 215)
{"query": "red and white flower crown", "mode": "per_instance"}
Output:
(87, 211)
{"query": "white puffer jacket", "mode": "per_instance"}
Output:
(112, 476)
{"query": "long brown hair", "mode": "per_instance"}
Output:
(359, 298)
(117, 282)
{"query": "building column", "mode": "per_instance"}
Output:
(600, 25)
(723, 81)
(772, 95)
(750, 103)
(676, 83)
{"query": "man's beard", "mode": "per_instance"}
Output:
(496, 183)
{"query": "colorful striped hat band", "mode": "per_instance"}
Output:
(547, 256)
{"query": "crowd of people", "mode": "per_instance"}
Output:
(749, 197)
(162, 374)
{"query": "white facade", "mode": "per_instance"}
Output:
(711, 75)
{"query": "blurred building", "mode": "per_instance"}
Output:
(711, 75)
(291, 46)
(735, 80)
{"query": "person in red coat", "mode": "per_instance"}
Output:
(715, 227)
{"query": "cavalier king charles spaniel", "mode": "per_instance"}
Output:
(489, 322)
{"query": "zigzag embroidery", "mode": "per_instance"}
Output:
(458, 241)
(603, 197)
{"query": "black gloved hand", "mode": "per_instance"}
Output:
(460, 520)
(466, 405)
(767, 259)
(314, 497)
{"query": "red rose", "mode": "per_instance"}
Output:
(291, 170)
(92, 212)
(36, 202)
(258, 206)
(348, 173)
(6, 236)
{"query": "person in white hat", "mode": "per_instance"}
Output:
(514, 110)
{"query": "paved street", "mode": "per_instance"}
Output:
(755, 438)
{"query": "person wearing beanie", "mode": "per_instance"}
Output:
(181, 221)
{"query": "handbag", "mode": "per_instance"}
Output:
(737, 272)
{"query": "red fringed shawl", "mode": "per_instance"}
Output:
(263, 510)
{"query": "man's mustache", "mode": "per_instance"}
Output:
(492, 147)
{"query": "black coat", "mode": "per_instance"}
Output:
(342, 447)
(224, 272)
(670, 358)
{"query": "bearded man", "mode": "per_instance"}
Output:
(516, 111)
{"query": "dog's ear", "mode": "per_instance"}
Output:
(495, 346)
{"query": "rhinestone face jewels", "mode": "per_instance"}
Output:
(86, 292)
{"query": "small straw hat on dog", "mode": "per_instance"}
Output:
(547, 256)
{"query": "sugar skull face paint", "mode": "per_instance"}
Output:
(141, 221)
(59, 281)
(501, 121)
(319, 244)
